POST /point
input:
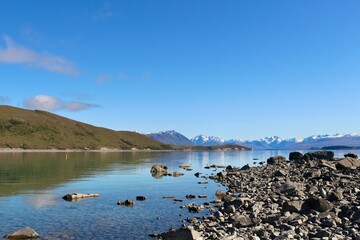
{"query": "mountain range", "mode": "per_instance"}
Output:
(275, 142)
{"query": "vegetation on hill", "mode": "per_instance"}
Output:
(28, 129)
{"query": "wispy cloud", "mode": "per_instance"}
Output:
(127, 77)
(50, 103)
(4, 99)
(103, 78)
(15, 54)
(104, 12)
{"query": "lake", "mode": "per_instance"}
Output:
(32, 185)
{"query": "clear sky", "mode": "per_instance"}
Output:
(232, 69)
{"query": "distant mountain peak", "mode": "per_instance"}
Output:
(170, 137)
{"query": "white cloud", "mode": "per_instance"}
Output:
(15, 54)
(49, 103)
(43, 102)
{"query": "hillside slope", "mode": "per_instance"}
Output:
(20, 128)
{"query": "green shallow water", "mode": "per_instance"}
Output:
(32, 186)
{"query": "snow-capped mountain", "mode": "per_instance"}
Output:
(202, 140)
(275, 142)
(170, 137)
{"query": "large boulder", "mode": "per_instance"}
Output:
(293, 206)
(276, 160)
(348, 163)
(242, 220)
(185, 233)
(325, 155)
(24, 233)
(158, 170)
(294, 156)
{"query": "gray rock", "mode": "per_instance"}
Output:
(326, 155)
(242, 221)
(293, 206)
(24, 233)
(127, 203)
(276, 160)
(186, 233)
(348, 163)
(158, 170)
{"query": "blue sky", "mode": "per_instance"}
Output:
(233, 69)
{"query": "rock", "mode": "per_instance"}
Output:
(326, 155)
(79, 196)
(219, 193)
(351, 155)
(195, 209)
(245, 167)
(348, 163)
(24, 233)
(296, 156)
(280, 173)
(318, 204)
(158, 170)
(168, 196)
(127, 203)
(190, 196)
(276, 160)
(177, 174)
(202, 196)
(185, 233)
(203, 182)
(197, 174)
(184, 166)
(241, 221)
(293, 206)
(140, 198)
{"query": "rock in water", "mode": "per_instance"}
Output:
(186, 233)
(352, 155)
(24, 233)
(158, 170)
(79, 196)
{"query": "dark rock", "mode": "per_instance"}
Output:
(276, 160)
(219, 193)
(127, 203)
(79, 196)
(190, 196)
(197, 174)
(280, 173)
(24, 233)
(293, 206)
(202, 196)
(140, 198)
(351, 155)
(245, 167)
(296, 156)
(326, 155)
(318, 204)
(177, 174)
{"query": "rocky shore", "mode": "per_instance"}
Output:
(311, 196)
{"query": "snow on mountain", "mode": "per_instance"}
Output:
(170, 137)
(202, 140)
(275, 142)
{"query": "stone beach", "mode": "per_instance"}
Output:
(311, 196)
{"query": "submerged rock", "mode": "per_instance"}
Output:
(24, 233)
(127, 203)
(79, 196)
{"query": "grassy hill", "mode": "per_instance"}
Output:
(27, 129)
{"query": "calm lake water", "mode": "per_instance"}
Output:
(32, 186)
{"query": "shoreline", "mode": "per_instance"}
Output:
(309, 196)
